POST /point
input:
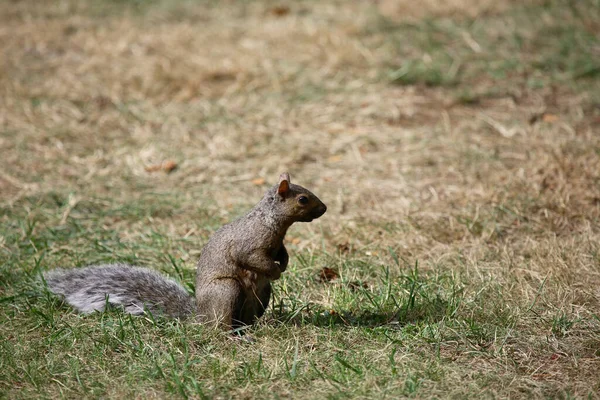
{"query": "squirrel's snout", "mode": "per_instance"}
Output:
(320, 211)
(315, 213)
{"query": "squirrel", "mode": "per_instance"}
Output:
(234, 272)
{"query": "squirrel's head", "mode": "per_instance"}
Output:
(297, 202)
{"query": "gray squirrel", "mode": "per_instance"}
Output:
(234, 272)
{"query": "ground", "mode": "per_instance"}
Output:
(457, 146)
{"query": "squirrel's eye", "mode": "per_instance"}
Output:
(303, 200)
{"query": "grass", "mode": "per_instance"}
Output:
(455, 145)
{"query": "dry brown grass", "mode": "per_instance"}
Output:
(505, 190)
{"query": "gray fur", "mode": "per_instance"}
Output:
(132, 288)
(244, 256)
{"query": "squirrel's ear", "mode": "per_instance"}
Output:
(284, 184)
(285, 177)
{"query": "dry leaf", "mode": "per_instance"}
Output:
(550, 118)
(166, 166)
(280, 11)
(258, 181)
(343, 247)
(545, 117)
(328, 274)
(220, 76)
(169, 166)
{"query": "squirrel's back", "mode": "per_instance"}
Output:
(135, 289)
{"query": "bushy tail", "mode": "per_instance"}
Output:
(133, 288)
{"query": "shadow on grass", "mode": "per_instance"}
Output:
(428, 310)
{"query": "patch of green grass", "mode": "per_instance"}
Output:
(436, 73)
(543, 44)
(562, 324)
(397, 328)
(375, 316)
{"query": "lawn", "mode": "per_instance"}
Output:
(456, 144)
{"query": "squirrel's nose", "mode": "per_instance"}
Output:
(322, 210)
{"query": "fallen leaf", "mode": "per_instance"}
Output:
(280, 11)
(550, 118)
(169, 166)
(328, 274)
(343, 247)
(545, 117)
(166, 166)
(258, 181)
(220, 76)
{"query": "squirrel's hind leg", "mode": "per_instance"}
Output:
(220, 302)
(262, 301)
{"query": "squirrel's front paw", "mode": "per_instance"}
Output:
(275, 273)
(281, 265)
